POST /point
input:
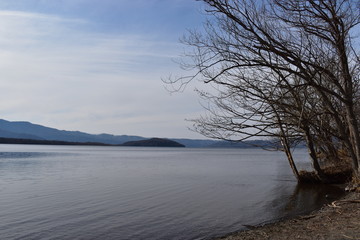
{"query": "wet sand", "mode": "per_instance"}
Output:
(335, 221)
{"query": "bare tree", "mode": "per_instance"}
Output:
(284, 69)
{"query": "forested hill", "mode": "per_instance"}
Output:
(154, 142)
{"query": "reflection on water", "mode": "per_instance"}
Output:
(307, 197)
(15, 155)
(73, 192)
(27, 155)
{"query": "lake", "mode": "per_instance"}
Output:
(85, 192)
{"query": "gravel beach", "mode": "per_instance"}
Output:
(335, 221)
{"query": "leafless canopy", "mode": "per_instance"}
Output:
(282, 69)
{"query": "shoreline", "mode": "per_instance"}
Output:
(338, 220)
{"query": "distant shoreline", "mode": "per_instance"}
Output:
(49, 142)
(339, 220)
(154, 142)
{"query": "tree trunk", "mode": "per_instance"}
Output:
(355, 138)
(290, 158)
(313, 155)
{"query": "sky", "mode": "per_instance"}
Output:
(96, 66)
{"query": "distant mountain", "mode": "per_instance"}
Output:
(245, 144)
(153, 142)
(8, 134)
(195, 143)
(203, 143)
(27, 130)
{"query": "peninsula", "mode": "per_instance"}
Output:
(153, 142)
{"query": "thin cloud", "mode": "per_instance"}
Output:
(55, 72)
(40, 16)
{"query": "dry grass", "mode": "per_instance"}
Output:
(340, 173)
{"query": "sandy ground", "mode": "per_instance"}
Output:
(339, 220)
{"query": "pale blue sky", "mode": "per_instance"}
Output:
(96, 66)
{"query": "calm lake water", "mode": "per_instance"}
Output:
(82, 192)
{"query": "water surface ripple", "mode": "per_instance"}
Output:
(83, 192)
